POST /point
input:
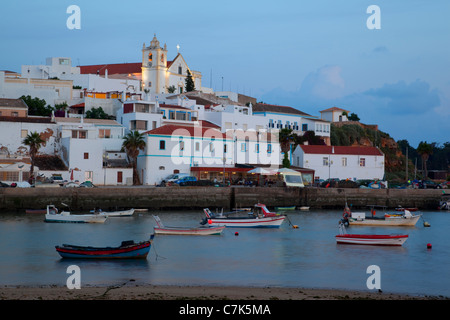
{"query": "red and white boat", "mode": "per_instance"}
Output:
(260, 217)
(370, 239)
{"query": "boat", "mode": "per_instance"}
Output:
(52, 215)
(304, 208)
(359, 218)
(444, 204)
(197, 231)
(400, 208)
(127, 250)
(285, 208)
(260, 217)
(122, 213)
(371, 239)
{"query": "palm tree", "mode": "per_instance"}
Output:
(134, 141)
(425, 150)
(34, 141)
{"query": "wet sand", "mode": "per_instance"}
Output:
(131, 291)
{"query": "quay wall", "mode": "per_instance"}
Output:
(214, 197)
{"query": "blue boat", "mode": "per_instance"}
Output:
(127, 250)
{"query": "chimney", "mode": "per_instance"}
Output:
(106, 73)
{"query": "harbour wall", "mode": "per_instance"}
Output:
(214, 197)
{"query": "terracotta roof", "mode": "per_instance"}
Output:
(316, 149)
(33, 119)
(190, 131)
(334, 109)
(79, 105)
(116, 68)
(263, 107)
(13, 103)
(87, 120)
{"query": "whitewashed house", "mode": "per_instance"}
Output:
(334, 114)
(341, 162)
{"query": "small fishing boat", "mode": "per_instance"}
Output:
(197, 231)
(359, 218)
(372, 239)
(52, 215)
(400, 208)
(122, 213)
(260, 217)
(304, 208)
(127, 250)
(284, 208)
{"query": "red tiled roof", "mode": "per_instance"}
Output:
(79, 105)
(333, 109)
(116, 68)
(315, 149)
(187, 131)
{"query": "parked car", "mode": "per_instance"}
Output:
(172, 178)
(71, 185)
(86, 184)
(183, 181)
(428, 184)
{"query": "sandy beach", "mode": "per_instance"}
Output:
(131, 291)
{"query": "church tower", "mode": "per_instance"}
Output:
(154, 67)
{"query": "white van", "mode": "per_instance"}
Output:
(293, 179)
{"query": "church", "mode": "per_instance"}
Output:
(156, 73)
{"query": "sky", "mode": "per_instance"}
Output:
(310, 55)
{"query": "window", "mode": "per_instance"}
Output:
(305, 127)
(162, 145)
(104, 133)
(197, 146)
(257, 148)
(362, 162)
(14, 114)
(269, 148)
(23, 133)
(271, 124)
(79, 134)
(86, 155)
(181, 145)
(344, 162)
(180, 70)
(119, 176)
(211, 147)
(325, 161)
(225, 148)
(243, 147)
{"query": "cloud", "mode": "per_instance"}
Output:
(325, 83)
(402, 98)
(380, 49)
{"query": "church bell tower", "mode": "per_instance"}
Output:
(154, 67)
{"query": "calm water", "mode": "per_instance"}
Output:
(285, 257)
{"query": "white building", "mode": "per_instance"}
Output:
(340, 162)
(334, 114)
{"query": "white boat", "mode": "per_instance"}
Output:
(371, 239)
(122, 213)
(360, 218)
(193, 231)
(53, 215)
(260, 217)
(304, 208)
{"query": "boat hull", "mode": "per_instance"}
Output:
(267, 222)
(189, 231)
(387, 221)
(138, 251)
(124, 213)
(75, 218)
(374, 240)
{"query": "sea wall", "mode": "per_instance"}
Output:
(213, 197)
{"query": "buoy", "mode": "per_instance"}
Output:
(429, 245)
(295, 226)
(236, 233)
(426, 224)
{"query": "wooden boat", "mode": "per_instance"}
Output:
(200, 231)
(122, 213)
(127, 250)
(409, 209)
(359, 218)
(285, 208)
(52, 215)
(373, 239)
(260, 217)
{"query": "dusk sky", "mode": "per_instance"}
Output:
(310, 55)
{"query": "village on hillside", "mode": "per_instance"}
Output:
(152, 121)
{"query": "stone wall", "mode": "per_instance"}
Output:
(213, 197)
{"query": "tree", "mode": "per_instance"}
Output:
(189, 82)
(171, 89)
(34, 141)
(353, 117)
(286, 137)
(37, 107)
(425, 150)
(96, 113)
(133, 141)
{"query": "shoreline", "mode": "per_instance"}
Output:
(131, 291)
